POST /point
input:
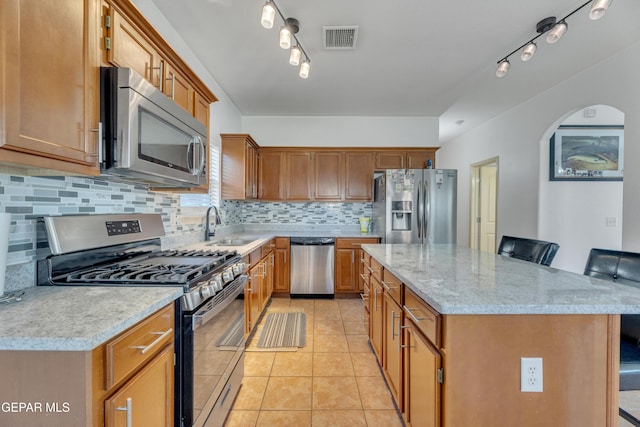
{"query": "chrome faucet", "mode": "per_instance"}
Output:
(208, 233)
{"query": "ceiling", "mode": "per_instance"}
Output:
(413, 57)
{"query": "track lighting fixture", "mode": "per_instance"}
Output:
(554, 30)
(288, 32)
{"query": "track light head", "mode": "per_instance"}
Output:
(557, 32)
(598, 9)
(528, 51)
(503, 68)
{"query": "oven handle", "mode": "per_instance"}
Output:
(203, 316)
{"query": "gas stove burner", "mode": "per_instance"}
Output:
(197, 253)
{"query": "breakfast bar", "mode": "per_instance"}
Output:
(479, 318)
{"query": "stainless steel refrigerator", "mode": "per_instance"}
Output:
(415, 205)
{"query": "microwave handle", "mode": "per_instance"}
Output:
(191, 156)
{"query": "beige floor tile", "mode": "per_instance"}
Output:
(284, 418)
(251, 393)
(308, 346)
(354, 328)
(325, 303)
(279, 302)
(328, 327)
(332, 364)
(341, 418)
(258, 364)
(241, 419)
(383, 418)
(287, 394)
(335, 393)
(365, 365)
(296, 364)
(306, 304)
(329, 313)
(330, 344)
(374, 393)
(358, 343)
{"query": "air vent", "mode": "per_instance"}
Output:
(339, 37)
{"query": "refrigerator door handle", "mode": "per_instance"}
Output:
(427, 208)
(420, 210)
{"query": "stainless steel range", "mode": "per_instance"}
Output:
(125, 250)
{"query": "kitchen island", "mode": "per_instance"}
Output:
(476, 314)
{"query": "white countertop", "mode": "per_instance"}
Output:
(458, 280)
(77, 318)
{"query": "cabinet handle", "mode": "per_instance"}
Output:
(285, 257)
(393, 319)
(375, 299)
(387, 286)
(400, 333)
(363, 277)
(173, 86)
(127, 409)
(400, 345)
(145, 348)
(369, 268)
(413, 316)
(353, 260)
(99, 131)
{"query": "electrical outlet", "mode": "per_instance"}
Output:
(531, 374)
(611, 221)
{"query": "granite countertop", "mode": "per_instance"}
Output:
(458, 280)
(77, 318)
(263, 236)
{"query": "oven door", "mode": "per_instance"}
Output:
(213, 356)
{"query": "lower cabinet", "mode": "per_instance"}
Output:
(376, 318)
(130, 375)
(282, 271)
(392, 367)
(261, 283)
(422, 387)
(147, 398)
(348, 267)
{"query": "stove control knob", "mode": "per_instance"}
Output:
(216, 283)
(227, 275)
(206, 291)
(239, 268)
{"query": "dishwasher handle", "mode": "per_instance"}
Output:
(312, 241)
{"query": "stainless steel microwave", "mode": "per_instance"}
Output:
(147, 137)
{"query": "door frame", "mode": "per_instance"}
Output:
(474, 203)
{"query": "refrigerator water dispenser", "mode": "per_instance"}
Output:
(401, 215)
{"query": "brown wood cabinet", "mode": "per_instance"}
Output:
(358, 183)
(283, 265)
(177, 87)
(328, 179)
(422, 389)
(239, 167)
(405, 158)
(392, 367)
(261, 282)
(376, 318)
(50, 81)
(91, 388)
(348, 253)
(299, 175)
(270, 175)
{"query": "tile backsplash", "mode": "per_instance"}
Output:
(317, 213)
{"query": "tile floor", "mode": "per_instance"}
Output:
(630, 401)
(333, 381)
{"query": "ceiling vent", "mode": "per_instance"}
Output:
(339, 37)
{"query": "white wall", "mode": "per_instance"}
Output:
(568, 208)
(517, 137)
(343, 131)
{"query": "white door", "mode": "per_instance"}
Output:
(488, 203)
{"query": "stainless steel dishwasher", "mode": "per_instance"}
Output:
(312, 267)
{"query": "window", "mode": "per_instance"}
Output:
(213, 197)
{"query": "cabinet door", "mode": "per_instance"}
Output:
(177, 87)
(201, 109)
(50, 79)
(283, 269)
(329, 175)
(418, 159)
(147, 397)
(130, 48)
(392, 314)
(298, 176)
(376, 318)
(233, 185)
(358, 176)
(251, 171)
(345, 270)
(270, 173)
(390, 160)
(421, 386)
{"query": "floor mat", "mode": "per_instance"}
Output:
(284, 330)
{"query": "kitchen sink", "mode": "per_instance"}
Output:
(233, 242)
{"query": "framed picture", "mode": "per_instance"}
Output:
(587, 153)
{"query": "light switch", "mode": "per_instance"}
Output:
(612, 221)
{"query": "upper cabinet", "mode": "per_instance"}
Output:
(129, 41)
(313, 173)
(405, 159)
(239, 167)
(50, 79)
